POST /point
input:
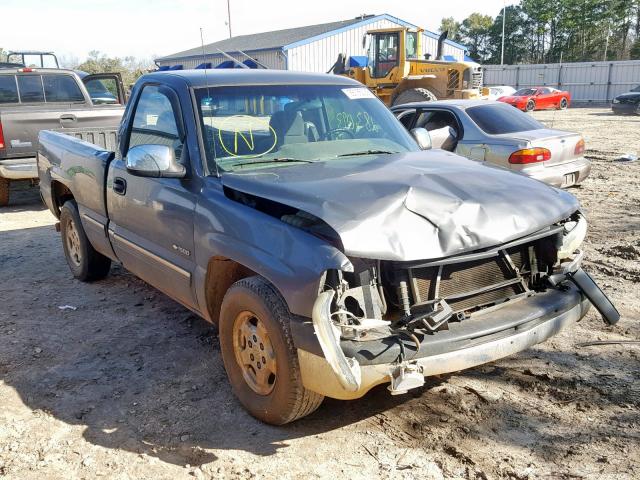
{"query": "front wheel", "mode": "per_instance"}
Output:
(259, 356)
(85, 263)
(531, 106)
(564, 104)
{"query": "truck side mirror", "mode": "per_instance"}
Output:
(422, 138)
(154, 161)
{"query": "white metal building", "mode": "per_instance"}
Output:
(313, 48)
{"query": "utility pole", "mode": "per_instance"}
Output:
(504, 14)
(229, 17)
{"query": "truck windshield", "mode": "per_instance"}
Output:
(251, 127)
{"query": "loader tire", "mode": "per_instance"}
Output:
(4, 191)
(414, 95)
(259, 355)
(85, 263)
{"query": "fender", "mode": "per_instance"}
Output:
(293, 260)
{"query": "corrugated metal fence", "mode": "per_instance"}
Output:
(596, 82)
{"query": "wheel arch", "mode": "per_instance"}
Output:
(60, 193)
(222, 272)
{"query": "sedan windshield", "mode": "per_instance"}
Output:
(251, 127)
(637, 89)
(498, 118)
(525, 92)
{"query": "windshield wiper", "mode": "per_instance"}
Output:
(366, 152)
(271, 160)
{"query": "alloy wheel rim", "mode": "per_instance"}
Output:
(73, 243)
(254, 353)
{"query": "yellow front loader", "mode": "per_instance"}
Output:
(395, 72)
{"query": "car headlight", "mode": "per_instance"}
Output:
(572, 236)
(615, 100)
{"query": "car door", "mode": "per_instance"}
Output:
(102, 109)
(151, 219)
(544, 98)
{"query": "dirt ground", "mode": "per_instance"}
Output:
(129, 384)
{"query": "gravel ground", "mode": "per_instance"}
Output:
(128, 384)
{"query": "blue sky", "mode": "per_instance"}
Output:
(152, 28)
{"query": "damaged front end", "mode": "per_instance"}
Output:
(397, 322)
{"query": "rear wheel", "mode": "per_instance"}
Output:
(414, 95)
(85, 263)
(531, 106)
(564, 104)
(259, 356)
(4, 191)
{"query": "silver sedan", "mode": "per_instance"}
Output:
(497, 133)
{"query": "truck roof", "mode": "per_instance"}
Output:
(36, 70)
(239, 76)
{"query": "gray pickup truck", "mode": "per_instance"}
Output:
(334, 251)
(41, 99)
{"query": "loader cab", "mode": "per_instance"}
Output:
(390, 48)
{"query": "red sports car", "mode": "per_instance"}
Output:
(538, 98)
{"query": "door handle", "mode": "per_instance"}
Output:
(68, 119)
(119, 185)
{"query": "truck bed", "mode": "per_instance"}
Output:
(77, 159)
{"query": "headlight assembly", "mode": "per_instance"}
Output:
(572, 236)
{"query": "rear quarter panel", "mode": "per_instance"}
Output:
(78, 165)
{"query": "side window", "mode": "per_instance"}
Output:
(385, 49)
(435, 120)
(406, 117)
(30, 87)
(8, 89)
(103, 91)
(61, 88)
(154, 121)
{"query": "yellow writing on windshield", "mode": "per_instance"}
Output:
(244, 135)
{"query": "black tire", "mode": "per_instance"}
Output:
(4, 191)
(288, 399)
(414, 95)
(84, 262)
(531, 106)
(563, 104)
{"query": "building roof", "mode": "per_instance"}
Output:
(283, 39)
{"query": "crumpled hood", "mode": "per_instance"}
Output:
(412, 206)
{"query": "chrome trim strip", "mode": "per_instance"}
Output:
(152, 256)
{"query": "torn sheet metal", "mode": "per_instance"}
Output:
(412, 206)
